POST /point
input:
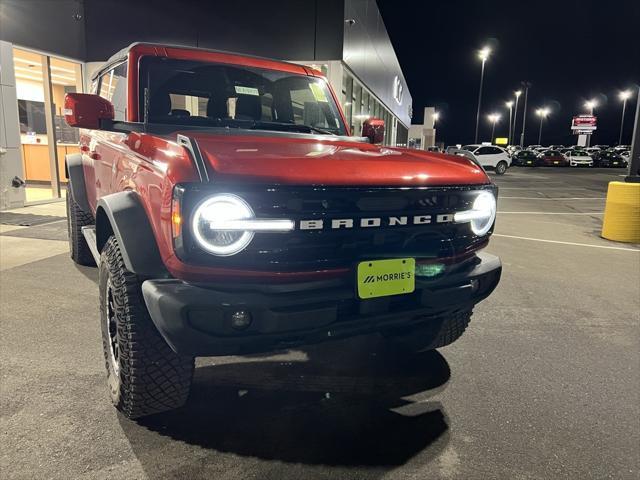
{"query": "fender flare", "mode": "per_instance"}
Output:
(75, 174)
(122, 214)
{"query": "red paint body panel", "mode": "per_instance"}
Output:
(311, 161)
(152, 165)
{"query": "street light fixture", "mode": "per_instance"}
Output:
(482, 55)
(493, 118)
(436, 117)
(526, 86)
(542, 113)
(624, 96)
(509, 105)
(517, 93)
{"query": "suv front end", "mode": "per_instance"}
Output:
(278, 265)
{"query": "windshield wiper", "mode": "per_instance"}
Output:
(261, 124)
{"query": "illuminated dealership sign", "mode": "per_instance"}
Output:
(397, 89)
(584, 124)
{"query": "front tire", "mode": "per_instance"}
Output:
(436, 333)
(144, 375)
(501, 167)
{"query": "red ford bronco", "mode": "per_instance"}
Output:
(231, 211)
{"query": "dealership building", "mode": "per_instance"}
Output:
(49, 48)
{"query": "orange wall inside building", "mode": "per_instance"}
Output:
(35, 160)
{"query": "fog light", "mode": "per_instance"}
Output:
(241, 319)
(429, 269)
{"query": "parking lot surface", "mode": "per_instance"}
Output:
(544, 384)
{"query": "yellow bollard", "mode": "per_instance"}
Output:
(622, 213)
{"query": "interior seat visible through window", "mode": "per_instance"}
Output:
(248, 107)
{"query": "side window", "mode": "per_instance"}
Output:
(310, 106)
(494, 151)
(113, 87)
(484, 151)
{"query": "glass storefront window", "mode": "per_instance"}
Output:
(357, 110)
(41, 84)
(347, 88)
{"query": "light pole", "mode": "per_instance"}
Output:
(509, 105)
(590, 105)
(493, 118)
(624, 96)
(482, 55)
(515, 114)
(526, 86)
(542, 113)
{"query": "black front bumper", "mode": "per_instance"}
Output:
(196, 319)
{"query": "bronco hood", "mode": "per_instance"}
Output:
(325, 160)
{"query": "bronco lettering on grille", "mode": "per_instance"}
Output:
(374, 222)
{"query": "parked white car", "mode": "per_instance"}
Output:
(579, 158)
(490, 157)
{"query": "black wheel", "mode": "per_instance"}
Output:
(501, 167)
(434, 334)
(144, 375)
(76, 219)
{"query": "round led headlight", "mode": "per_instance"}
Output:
(482, 214)
(214, 215)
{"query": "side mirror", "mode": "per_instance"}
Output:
(373, 129)
(85, 110)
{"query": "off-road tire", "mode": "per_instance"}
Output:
(76, 219)
(144, 375)
(436, 333)
(501, 167)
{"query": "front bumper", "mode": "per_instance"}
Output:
(580, 163)
(196, 319)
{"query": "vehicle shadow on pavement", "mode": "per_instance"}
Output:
(344, 406)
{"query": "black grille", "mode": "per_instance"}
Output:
(309, 250)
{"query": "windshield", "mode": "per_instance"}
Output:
(194, 93)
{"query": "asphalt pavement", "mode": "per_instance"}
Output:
(545, 383)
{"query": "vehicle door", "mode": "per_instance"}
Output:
(497, 155)
(485, 156)
(106, 147)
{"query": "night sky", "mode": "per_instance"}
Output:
(570, 51)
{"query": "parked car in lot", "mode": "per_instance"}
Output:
(525, 158)
(579, 158)
(626, 156)
(622, 148)
(556, 147)
(490, 157)
(553, 158)
(610, 158)
(513, 149)
(534, 147)
(452, 149)
(196, 192)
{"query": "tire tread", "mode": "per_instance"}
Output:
(76, 219)
(153, 378)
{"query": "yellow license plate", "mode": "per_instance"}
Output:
(381, 278)
(529, 163)
(556, 163)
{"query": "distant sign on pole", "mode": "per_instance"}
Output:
(584, 124)
(502, 140)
